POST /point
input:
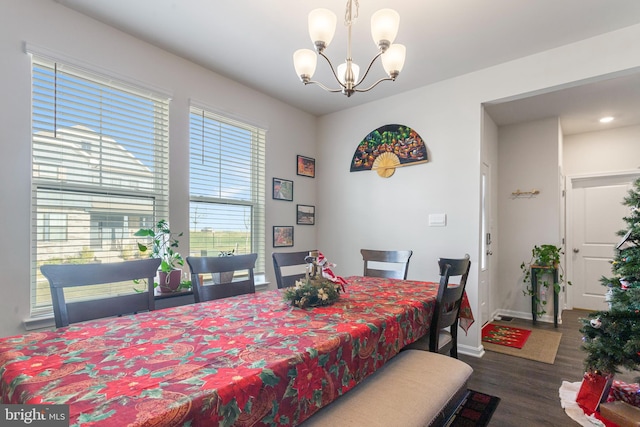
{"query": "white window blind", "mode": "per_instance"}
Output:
(226, 185)
(100, 171)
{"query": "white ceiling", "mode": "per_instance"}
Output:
(579, 107)
(252, 41)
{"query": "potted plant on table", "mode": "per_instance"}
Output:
(224, 276)
(163, 245)
(544, 257)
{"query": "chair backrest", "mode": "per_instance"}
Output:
(399, 258)
(288, 259)
(61, 276)
(449, 296)
(217, 266)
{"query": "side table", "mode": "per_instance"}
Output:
(539, 270)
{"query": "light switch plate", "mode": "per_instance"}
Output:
(437, 220)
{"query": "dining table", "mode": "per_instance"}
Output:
(241, 361)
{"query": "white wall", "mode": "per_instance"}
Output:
(600, 152)
(528, 159)
(51, 26)
(363, 210)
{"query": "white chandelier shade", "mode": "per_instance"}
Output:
(305, 61)
(342, 70)
(384, 26)
(393, 59)
(322, 27)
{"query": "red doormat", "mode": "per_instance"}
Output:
(505, 335)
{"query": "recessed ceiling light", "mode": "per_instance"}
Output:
(606, 119)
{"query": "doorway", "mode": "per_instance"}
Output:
(594, 216)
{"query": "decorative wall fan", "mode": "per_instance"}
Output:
(387, 148)
(386, 164)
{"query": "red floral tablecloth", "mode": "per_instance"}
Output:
(465, 318)
(247, 360)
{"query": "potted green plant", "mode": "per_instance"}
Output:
(163, 245)
(545, 257)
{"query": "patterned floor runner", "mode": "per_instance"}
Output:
(475, 411)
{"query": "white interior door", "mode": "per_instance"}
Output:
(595, 213)
(484, 279)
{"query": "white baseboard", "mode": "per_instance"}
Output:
(470, 351)
(546, 318)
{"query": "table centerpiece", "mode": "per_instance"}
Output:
(319, 287)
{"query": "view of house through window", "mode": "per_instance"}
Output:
(226, 185)
(100, 150)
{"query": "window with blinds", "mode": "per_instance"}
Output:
(226, 186)
(100, 172)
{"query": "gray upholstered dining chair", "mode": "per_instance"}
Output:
(289, 267)
(376, 263)
(443, 331)
(61, 276)
(217, 267)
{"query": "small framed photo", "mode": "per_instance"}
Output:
(306, 166)
(282, 236)
(305, 215)
(282, 189)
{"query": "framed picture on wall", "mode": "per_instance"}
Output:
(282, 189)
(282, 236)
(306, 166)
(305, 215)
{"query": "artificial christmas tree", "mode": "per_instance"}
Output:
(612, 337)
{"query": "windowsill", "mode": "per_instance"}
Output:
(41, 322)
(260, 284)
(159, 296)
(47, 321)
(263, 286)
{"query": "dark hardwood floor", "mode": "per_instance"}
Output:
(529, 390)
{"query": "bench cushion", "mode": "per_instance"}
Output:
(409, 390)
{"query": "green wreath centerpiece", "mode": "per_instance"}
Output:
(319, 287)
(312, 292)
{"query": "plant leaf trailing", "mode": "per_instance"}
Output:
(543, 256)
(163, 245)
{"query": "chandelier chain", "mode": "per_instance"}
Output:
(349, 16)
(322, 24)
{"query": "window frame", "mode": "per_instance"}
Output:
(254, 201)
(107, 190)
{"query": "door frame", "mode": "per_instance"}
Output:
(486, 239)
(570, 180)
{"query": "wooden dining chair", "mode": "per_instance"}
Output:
(396, 261)
(289, 267)
(443, 331)
(62, 276)
(217, 266)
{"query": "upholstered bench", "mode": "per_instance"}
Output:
(414, 389)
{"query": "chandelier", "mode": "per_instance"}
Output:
(322, 27)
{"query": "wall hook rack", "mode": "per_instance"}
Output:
(531, 193)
